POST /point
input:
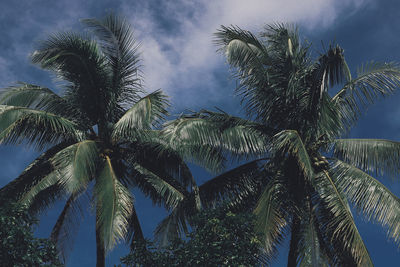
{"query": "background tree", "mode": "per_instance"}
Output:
(18, 246)
(303, 175)
(100, 136)
(219, 238)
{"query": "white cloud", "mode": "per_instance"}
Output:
(183, 59)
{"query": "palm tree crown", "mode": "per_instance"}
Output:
(102, 135)
(303, 175)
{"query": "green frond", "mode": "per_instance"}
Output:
(51, 180)
(135, 233)
(77, 60)
(67, 223)
(173, 226)
(147, 112)
(271, 220)
(162, 190)
(37, 127)
(37, 97)
(373, 81)
(117, 42)
(234, 184)
(161, 160)
(369, 196)
(372, 155)
(290, 141)
(337, 221)
(218, 129)
(32, 174)
(113, 206)
(76, 165)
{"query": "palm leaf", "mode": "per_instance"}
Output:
(76, 165)
(67, 223)
(147, 112)
(35, 126)
(32, 174)
(36, 97)
(234, 184)
(270, 218)
(290, 141)
(77, 60)
(337, 221)
(220, 130)
(370, 197)
(373, 80)
(118, 44)
(162, 190)
(373, 155)
(114, 206)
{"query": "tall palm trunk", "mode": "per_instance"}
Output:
(100, 251)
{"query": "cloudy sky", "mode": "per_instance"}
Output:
(179, 57)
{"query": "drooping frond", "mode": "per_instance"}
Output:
(311, 252)
(271, 219)
(37, 127)
(162, 190)
(147, 112)
(37, 97)
(290, 141)
(337, 222)
(32, 174)
(135, 233)
(76, 165)
(161, 160)
(118, 44)
(370, 197)
(372, 155)
(373, 80)
(114, 206)
(76, 59)
(218, 129)
(234, 184)
(67, 223)
(173, 226)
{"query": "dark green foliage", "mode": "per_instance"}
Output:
(219, 238)
(18, 246)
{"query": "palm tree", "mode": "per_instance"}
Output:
(100, 136)
(301, 175)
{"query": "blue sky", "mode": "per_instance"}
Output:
(179, 57)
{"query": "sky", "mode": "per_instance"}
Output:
(178, 56)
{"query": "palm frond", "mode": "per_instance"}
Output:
(76, 165)
(220, 130)
(67, 223)
(271, 220)
(289, 141)
(373, 80)
(31, 175)
(147, 112)
(114, 206)
(337, 222)
(233, 185)
(118, 44)
(135, 233)
(37, 127)
(370, 197)
(175, 225)
(162, 190)
(77, 60)
(372, 155)
(37, 97)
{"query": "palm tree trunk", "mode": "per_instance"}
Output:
(100, 252)
(292, 258)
